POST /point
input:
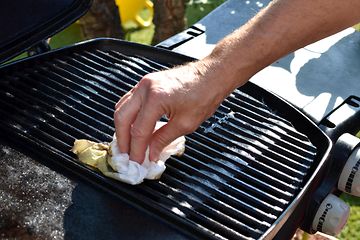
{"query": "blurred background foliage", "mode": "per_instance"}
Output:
(194, 10)
(104, 20)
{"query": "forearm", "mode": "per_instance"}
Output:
(282, 27)
(189, 94)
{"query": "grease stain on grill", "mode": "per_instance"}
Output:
(84, 95)
(108, 75)
(41, 119)
(97, 84)
(132, 64)
(274, 127)
(178, 211)
(120, 72)
(121, 69)
(236, 159)
(186, 204)
(265, 131)
(234, 166)
(9, 95)
(219, 121)
(90, 89)
(245, 146)
(59, 109)
(241, 152)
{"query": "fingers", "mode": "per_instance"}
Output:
(122, 100)
(142, 130)
(124, 116)
(135, 118)
(125, 97)
(168, 133)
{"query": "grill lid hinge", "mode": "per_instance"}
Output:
(40, 47)
(182, 37)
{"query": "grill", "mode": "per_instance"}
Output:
(243, 170)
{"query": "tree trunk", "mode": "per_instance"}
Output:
(169, 18)
(102, 20)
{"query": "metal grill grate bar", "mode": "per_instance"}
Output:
(187, 200)
(241, 168)
(271, 136)
(61, 113)
(229, 178)
(206, 176)
(236, 167)
(215, 198)
(218, 192)
(244, 158)
(264, 111)
(250, 141)
(294, 174)
(247, 131)
(247, 115)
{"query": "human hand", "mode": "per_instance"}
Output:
(187, 95)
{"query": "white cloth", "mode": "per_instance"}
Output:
(121, 167)
(132, 172)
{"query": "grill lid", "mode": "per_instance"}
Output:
(25, 23)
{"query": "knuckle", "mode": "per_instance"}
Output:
(118, 115)
(137, 132)
(121, 101)
(187, 127)
(160, 142)
(154, 96)
(145, 81)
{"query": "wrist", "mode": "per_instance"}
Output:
(218, 76)
(228, 68)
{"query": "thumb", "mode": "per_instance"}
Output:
(163, 137)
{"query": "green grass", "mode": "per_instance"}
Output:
(143, 35)
(68, 36)
(352, 228)
(197, 9)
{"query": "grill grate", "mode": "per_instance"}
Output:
(241, 168)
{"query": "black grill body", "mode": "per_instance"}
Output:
(244, 171)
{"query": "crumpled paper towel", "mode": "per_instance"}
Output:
(108, 159)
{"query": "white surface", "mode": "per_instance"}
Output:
(319, 77)
(316, 79)
(331, 216)
(131, 172)
(351, 167)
